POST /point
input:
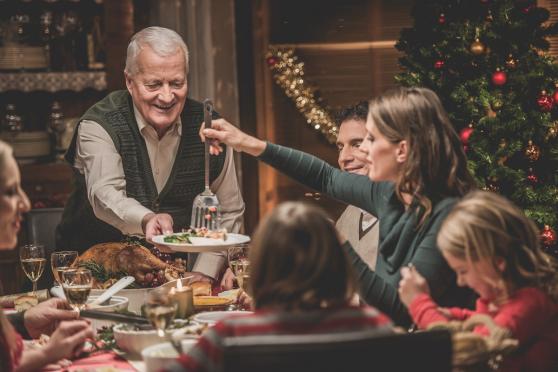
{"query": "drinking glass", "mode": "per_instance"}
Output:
(239, 264)
(77, 284)
(33, 261)
(160, 309)
(61, 261)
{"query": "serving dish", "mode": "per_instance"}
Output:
(133, 340)
(211, 303)
(116, 303)
(200, 244)
(212, 317)
(158, 357)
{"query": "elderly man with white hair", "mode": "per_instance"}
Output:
(138, 159)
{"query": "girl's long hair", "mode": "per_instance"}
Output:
(485, 225)
(297, 261)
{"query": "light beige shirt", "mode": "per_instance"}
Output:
(354, 222)
(99, 161)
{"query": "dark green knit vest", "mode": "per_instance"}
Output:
(80, 229)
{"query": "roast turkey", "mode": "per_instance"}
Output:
(128, 258)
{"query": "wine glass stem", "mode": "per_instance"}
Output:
(34, 288)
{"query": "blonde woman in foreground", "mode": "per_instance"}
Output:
(68, 337)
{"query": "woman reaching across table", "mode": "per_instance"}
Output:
(418, 171)
(69, 335)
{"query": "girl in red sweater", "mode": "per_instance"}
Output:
(494, 250)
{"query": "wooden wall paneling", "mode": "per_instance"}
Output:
(265, 127)
(119, 28)
(244, 32)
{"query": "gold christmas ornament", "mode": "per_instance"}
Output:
(497, 104)
(532, 151)
(511, 62)
(477, 48)
(288, 72)
(492, 185)
(552, 131)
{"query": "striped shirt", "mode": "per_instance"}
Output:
(207, 354)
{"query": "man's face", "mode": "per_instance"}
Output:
(159, 88)
(351, 135)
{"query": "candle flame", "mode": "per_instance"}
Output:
(179, 284)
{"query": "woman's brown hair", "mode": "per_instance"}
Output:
(436, 165)
(485, 225)
(297, 261)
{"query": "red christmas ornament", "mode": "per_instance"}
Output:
(555, 96)
(548, 236)
(442, 19)
(499, 78)
(527, 9)
(532, 177)
(465, 134)
(439, 64)
(272, 61)
(545, 102)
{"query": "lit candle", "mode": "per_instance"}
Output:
(184, 297)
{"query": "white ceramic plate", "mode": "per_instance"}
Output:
(212, 317)
(203, 244)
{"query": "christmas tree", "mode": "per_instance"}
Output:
(488, 62)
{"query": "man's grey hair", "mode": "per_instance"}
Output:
(163, 41)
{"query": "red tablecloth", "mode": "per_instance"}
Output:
(102, 360)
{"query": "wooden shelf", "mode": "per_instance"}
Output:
(53, 81)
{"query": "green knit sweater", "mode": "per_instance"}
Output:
(401, 241)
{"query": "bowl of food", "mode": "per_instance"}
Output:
(115, 304)
(158, 357)
(135, 338)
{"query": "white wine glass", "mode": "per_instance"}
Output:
(77, 284)
(160, 309)
(33, 261)
(61, 261)
(240, 264)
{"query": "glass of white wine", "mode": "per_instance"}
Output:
(240, 264)
(160, 309)
(33, 261)
(77, 284)
(61, 261)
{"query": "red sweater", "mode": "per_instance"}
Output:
(10, 359)
(530, 315)
(206, 355)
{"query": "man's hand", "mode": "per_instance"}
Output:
(67, 340)
(44, 317)
(411, 285)
(156, 224)
(244, 300)
(198, 277)
(227, 282)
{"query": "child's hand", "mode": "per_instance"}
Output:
(411, 285)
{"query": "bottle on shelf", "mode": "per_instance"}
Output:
(12, 121)
(57, 127)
